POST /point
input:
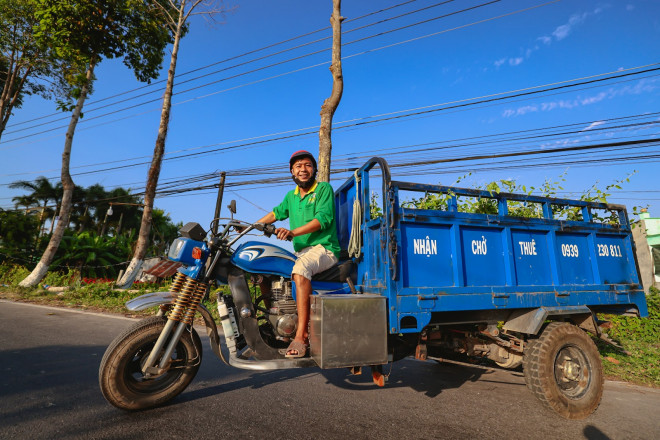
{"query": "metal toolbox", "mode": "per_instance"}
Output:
(348, 330)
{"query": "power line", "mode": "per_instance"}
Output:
(236, 57)
(93, 109)
(283, 62)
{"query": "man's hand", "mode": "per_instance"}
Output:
(284, 234)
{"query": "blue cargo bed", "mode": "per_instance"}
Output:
(431, 262)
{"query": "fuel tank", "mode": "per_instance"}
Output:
(258, 257)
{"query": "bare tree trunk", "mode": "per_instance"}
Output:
(154, 171)
(330, 105)
(67, 184)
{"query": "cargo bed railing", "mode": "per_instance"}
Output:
(502, 199)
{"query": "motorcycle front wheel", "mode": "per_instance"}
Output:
(120, 375)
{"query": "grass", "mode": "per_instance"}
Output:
(639, 337)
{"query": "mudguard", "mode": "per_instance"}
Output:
(149, 300)
(160, 298)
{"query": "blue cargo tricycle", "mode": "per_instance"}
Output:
(519, 284)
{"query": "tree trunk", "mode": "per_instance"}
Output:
(154, 171)
(11, 91)
(67, 184)
(330, 105)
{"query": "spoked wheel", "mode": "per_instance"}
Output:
(563, 369)
(120, 375)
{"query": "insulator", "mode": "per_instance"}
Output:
(197, 296)
(182, 300)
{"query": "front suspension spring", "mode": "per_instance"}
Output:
(197, 296)
(182, 300)
(177, 283)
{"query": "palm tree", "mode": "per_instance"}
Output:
(41, 193)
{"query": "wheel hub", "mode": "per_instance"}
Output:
(571, 370)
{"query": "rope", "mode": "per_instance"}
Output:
(355, 241)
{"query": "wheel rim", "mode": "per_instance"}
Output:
(135, 380)
(572, 371)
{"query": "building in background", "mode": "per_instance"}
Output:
(647, 241)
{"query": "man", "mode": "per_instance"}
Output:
(310, 208)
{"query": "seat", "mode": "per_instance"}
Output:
(338, 273)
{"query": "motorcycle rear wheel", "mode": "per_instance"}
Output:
(120, 376)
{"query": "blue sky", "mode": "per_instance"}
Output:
(469, 61)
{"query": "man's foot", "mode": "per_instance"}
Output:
(296, 350)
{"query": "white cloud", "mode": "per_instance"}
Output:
(561, 32)
(592, 125)
(630, 7)
(642, 86)
(545, 39)
(565, 29)
(520, 111)
(559, 143)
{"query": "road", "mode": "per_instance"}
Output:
(49, 390)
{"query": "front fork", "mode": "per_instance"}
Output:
(187, 293)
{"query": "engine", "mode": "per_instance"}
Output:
(283, 315)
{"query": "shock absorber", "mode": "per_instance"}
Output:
(195, 299)
(182, 301)
(190, 293)
(177, 283)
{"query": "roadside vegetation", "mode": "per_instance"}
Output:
(641, 340)
(100, 237)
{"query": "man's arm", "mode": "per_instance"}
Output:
(267, 219)
(312, 226)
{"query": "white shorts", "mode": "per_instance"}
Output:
(313, 260)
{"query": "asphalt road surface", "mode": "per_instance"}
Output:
(49, 390)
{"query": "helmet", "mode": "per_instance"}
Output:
(299, 155)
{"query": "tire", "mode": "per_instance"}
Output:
(564, 371)
(120, 376)
(530, 347)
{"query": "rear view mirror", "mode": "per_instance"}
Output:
(232, 206)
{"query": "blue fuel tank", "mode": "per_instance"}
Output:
(258, 257)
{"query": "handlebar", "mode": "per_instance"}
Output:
(268, 230)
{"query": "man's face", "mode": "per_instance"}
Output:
(303, 169)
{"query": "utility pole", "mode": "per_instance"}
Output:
(218, 203)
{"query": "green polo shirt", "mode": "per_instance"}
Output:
(318, 203)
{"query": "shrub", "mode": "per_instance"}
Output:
(12, 274)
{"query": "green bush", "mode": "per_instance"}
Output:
(56, 278)
(12, 274)
(640, 337)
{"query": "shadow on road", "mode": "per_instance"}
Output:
(431, 378)
(593, 433)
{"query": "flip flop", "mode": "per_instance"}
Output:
(298, 347)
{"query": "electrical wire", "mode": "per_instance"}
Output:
(289, 60)
(153, 83)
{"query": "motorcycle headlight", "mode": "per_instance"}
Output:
(183, 250)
